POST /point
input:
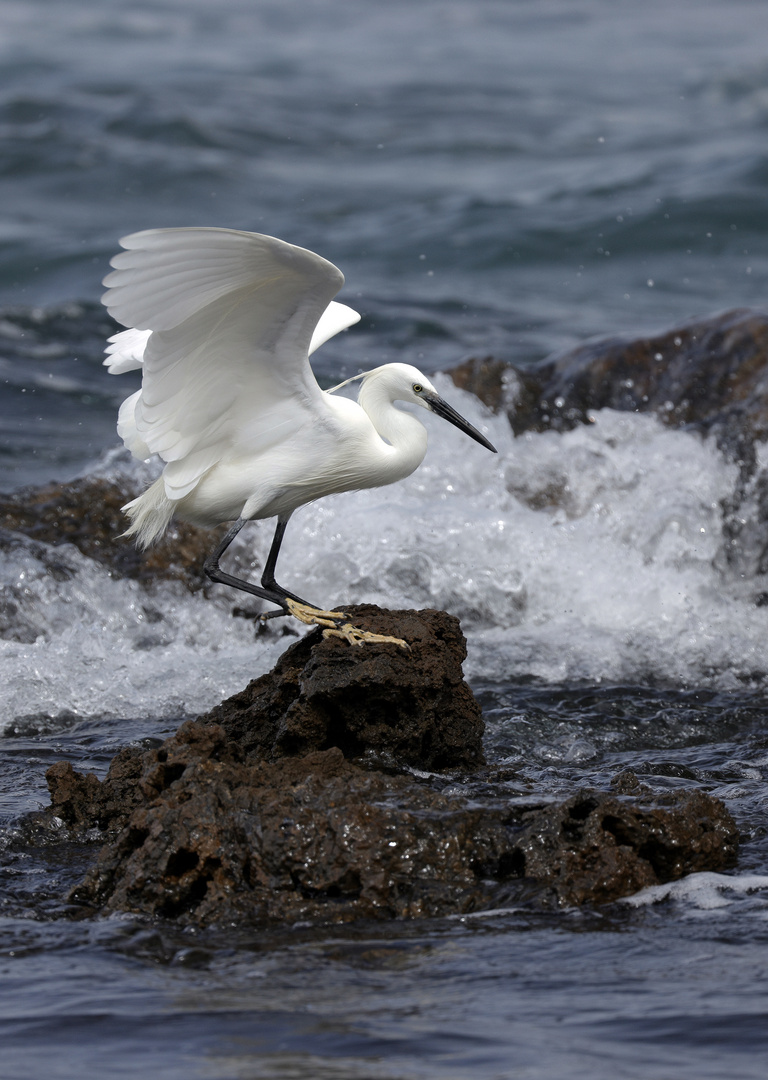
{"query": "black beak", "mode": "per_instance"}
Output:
(442, 408)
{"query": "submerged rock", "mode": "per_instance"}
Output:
(284, 803)
(596, 847)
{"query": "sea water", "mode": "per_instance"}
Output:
(505, 178)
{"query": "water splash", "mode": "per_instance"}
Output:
(590, 555)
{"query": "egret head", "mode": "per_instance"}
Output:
(406, 383)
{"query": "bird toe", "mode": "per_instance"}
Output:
(314, 616)
(355, 636)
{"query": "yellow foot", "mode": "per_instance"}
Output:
(355, 636)
(331, 620)
(314, 616)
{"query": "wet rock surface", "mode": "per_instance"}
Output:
(289, 803)
(711, 375)
(314, 837)
(87, 513)
(595, 847)
(83, 802)
(318, 838)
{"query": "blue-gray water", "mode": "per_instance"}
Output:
(492, 177)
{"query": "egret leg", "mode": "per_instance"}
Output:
(288, 602)
(268, 577)
(292, 604)
(269, 589)
(333, 621)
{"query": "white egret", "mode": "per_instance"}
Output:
(222, 324)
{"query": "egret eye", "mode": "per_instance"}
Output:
(417, 388)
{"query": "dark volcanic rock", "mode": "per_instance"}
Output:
(503, 386)
(376, 702)
(262, 817)
(87, 513)
(316, 837)
(596, 847)
(410, 708)
(711, 375)
(86, 802)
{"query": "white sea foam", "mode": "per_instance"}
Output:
(105, 647)
(594, 555)
(704, 891)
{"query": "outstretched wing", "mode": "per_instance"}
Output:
(231, 315)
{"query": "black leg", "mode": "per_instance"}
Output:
(269, 590)
(268, 577)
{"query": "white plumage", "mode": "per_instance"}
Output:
(222, 324)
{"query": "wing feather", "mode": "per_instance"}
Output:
(126, 351)
(335, 318)
(166, 275)
(226, 320)
(126, 428)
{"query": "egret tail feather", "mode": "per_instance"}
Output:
(150, 515)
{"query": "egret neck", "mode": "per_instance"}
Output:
(407, 436)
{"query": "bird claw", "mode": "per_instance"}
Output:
(330, 620)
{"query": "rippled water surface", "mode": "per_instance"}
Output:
(503, 178)
(664, 984)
